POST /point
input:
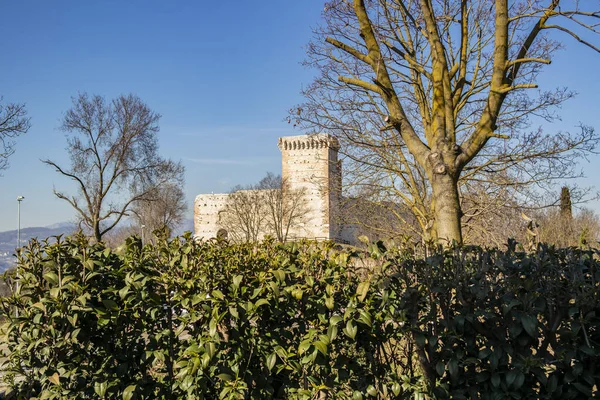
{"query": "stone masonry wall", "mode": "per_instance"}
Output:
(206, 214)
(310, 162)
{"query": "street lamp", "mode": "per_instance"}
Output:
(19, 200)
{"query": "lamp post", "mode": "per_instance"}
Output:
(19, 200)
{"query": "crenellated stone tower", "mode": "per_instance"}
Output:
(310, 162)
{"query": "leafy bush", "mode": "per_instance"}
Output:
(211, 320)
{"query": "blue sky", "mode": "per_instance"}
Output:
(221, 73)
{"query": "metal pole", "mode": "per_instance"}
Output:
(19, 200)
(18, 222)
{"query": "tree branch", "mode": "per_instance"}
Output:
(573, 35)
(350, 50)
(362, 84)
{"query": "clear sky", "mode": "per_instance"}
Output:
(221, 73)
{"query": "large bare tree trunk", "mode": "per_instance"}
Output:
(446, 206)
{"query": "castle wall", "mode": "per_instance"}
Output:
(309, 163)
(206, 214)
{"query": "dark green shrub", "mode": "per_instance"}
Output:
(499, 325)
(211, 320)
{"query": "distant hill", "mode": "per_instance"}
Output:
(8, 239)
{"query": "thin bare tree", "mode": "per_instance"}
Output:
(13, 123)
(244, 214)
(426, 96)
(491, 214)
(114, 159)
(286, 206)
(163, 207)
(580, 229)
(374, 213)
(271, 207)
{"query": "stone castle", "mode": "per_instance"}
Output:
(308, 163)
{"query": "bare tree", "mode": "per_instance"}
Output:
(114, 159)
(165, 209)
(13, 122)
(164, 206)
(425, 95)
(286, 206)
(374, 213)
(580, 229)
(271, 207)
(244, 215)
(491, 214)
(119, 235)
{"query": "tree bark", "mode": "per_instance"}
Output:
(97, 233)
(446, 207)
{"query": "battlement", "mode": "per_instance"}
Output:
(308, 142)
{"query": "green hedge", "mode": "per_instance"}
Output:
(300, 321)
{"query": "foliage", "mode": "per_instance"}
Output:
(182, 319)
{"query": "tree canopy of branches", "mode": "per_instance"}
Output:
(164, 207)
(580, 229)
(243, 217)
(271, 207)
(286, 206)
(13, 122)
(431, 98)
(114, 160)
